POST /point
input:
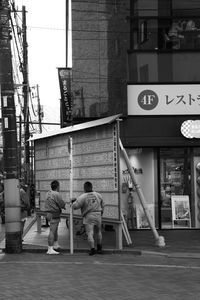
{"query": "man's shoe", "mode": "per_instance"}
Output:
(56, 246)
(92, 251)
(52, 251)
(99, 249)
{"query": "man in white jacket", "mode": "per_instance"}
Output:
(53, 206)
(92, 206)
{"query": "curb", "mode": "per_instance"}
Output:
(181, 255)
(82, 250)
(121, 252)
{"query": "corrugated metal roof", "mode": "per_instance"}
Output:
(77, 127)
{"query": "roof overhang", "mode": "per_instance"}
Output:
(78, 127)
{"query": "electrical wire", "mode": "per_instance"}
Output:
(78, 30)
(114, 2)
(16, 44)
(45, 28)
(17, 58)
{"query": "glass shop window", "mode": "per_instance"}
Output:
(175, 177)
(164, 34)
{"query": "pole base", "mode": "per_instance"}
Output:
(160, 242)
(13, 242)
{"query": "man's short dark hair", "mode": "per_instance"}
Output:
(54, 185)
(88, 186)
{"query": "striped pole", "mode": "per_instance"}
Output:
(71, 195)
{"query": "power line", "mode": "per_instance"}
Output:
(16, 44)
(78, 30)
(45, 28)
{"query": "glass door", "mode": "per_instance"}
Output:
(175, 175)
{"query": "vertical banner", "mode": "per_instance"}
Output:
(64, 75)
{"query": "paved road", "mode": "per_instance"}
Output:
(110, 277)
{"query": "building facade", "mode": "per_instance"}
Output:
(100, 39)
(141, 59)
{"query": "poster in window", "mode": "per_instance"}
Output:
(181, 211)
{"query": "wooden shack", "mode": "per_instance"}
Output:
(95, 158)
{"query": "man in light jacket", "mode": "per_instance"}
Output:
(92, 206)
(53, 206)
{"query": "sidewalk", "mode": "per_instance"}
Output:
(179, 243)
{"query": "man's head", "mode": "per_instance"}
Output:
(55, 185)
(88, 187)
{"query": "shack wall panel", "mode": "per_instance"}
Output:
(47, 164)
(94, 159)
(100, 172)
(92, 146)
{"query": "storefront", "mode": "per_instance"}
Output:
(170, 180)
(164, 150)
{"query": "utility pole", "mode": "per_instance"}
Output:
(13, 237)
(26, 97)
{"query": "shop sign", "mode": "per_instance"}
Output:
(191, 129)
(163, 99)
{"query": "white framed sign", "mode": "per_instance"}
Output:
(163, 99)
(181, 211)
